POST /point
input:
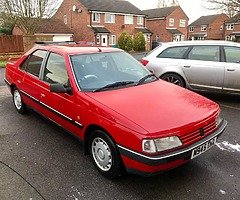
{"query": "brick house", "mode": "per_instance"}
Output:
(167, 24)
(102, 21)
(232, 28)
(210, 27)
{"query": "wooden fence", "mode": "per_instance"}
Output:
(11, 43)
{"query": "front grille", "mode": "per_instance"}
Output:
(195, 136)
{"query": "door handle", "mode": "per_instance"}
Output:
(231, 70)
(42, 95)
(187, 66)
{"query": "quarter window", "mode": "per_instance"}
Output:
(205, 53)
(34, 62)
(55, 71)
(173, 52)
(109, 18)
(232, 54)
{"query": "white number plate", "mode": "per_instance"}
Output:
(204, 147)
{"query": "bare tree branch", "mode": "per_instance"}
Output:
(230, 7)
(29, 13)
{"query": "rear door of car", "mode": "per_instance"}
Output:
(232, 69)
(28, 80)
(203, 68)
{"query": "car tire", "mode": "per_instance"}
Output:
(174, 78)
(105, 155)
(18, 102)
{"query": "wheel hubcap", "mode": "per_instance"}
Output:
(173, 80)
(101, 154)
(17, 99)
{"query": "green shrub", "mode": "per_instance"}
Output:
(139, 42)
(125, 42)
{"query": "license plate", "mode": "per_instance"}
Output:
(204, 147)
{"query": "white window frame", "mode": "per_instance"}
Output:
(191, 29)
(96, 17)
(65, 19)
(112, 39)
(203, 28)
(229, 27)
(182, 23)
(140, 20)
(128, 19)
(109, 18)
(171, 21)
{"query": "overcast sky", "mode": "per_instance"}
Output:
(193, 8)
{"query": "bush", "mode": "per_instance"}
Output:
(125, 42)
(139, 42)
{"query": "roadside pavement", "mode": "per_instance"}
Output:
(2, 74)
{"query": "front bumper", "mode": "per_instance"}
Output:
(142, 164)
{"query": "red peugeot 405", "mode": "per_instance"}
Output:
(125, 116)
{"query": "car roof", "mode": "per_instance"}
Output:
(202, 42)
(74, 49)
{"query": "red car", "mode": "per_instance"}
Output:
(126, 117)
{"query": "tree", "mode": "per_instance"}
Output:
(125, 41)
(28, 13)
(166, 3)
(230, 7)
(139, 42)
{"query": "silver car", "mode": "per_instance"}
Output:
(198, 65)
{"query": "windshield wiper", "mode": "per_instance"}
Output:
(113, 85)
(142, 80)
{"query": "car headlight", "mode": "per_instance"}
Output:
(219, 119)
(161, 144)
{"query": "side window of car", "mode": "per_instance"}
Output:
(232, 54)
(34, 62)
(205, 53)
(55, 70)
(173, 52)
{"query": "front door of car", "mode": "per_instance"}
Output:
(232, 69)
(60, 107)
(203, 69)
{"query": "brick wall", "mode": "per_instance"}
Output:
(159, 26)
(215, 30)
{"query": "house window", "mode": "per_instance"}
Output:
(228, 38)
(229, 26)
(109, 18)
(182, 23)
(171, 22)
(140, 20)
(128, 19)
(112, 39)
(203, 28)
(96, 17)
(98, 39)
(65, 19)
(191, 29)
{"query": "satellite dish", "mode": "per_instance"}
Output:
(74, 8)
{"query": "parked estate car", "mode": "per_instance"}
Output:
(198, 65)
(125, 116)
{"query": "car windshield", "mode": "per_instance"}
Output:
(104, 71)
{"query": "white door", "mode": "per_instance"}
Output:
(104, 40)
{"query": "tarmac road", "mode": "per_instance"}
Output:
(38, 160)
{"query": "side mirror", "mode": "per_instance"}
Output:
(59, 88)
